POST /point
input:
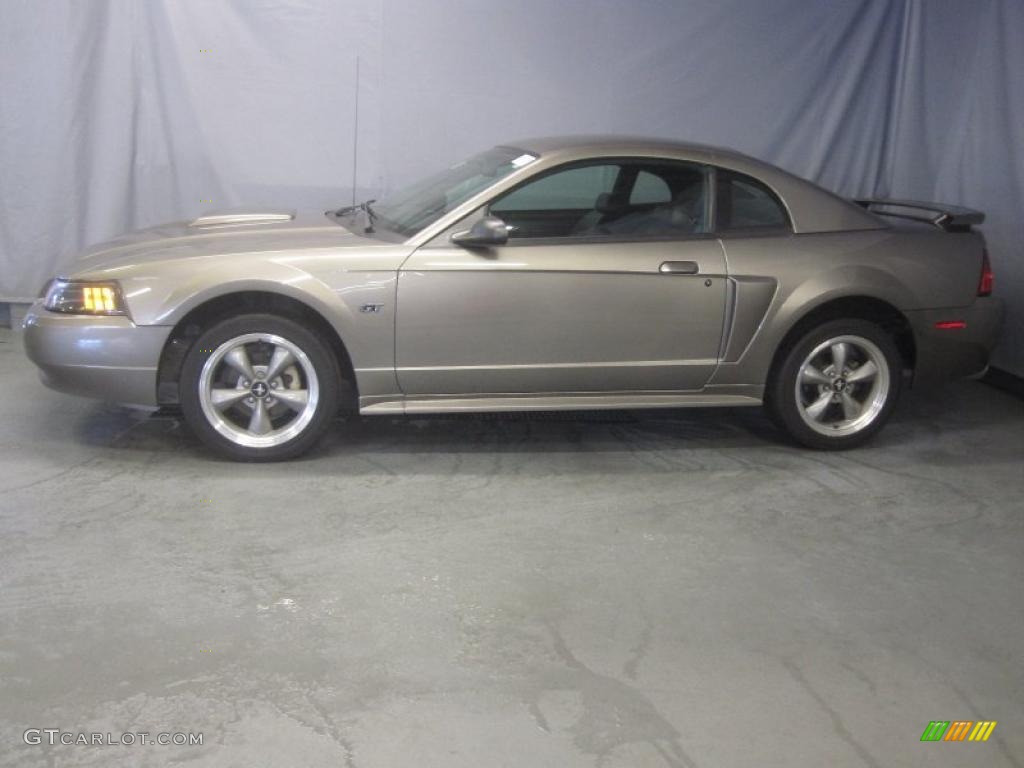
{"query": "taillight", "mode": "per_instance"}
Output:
(987, 277)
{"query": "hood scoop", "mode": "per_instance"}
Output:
(237, 218)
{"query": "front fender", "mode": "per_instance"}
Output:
(165, 298)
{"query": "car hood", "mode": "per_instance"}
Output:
(222, 232)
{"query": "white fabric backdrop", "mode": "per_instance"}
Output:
(117, 114)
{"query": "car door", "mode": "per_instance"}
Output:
(609, 282)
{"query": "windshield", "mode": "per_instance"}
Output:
(407, 211)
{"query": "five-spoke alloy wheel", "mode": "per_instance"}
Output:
(259, 388)
(836, 385)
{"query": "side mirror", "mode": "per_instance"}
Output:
(488, 231)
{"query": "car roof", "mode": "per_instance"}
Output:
(613, 142)
(811, 208)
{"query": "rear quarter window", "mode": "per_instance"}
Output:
(743, 203)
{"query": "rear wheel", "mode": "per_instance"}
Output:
(259, 388)
(837, 385)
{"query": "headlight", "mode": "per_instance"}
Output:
(85, 297)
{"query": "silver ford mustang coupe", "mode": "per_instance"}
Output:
(558, 273)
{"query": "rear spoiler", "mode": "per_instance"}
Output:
(951, 218)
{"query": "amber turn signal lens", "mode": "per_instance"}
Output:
(85, 298)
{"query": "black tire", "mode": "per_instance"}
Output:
(791, 409)
(309, 424)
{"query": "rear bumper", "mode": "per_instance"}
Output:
(946, 354)
(107, 358)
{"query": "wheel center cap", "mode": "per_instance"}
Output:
(838, 385)
(259, 389)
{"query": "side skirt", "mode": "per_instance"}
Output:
(557, 402)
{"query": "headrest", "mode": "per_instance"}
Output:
(604, 204)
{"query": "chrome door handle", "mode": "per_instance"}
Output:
(679, 268)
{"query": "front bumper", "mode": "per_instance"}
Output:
(946, 354)
(108, 358)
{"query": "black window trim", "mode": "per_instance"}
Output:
(610, 239)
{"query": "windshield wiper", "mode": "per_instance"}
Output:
(347, 209)
(364, 207)
(371, 215)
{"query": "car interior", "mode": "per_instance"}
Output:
(621, 199)
(635, 199)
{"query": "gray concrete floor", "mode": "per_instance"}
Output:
(648, 589)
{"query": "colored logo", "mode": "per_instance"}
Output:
(958, 730)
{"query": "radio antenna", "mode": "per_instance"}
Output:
(355, 137)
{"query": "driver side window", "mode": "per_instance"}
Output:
(555, 204)
(632, 198)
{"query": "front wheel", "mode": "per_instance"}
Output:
(837, 385)
(259, 387)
